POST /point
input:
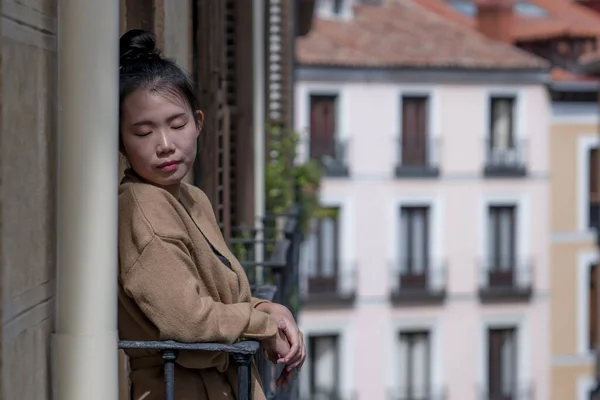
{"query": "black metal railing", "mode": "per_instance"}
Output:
(242, 352)
(270, 256)
(506, 161)
(422, 392)
(594, 219)
(331, 152)
(514, 393)
(335, 288)
(418, 156)
(506, 279)
(417, 282)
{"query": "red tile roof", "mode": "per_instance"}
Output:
(565, 19)
(400, 33)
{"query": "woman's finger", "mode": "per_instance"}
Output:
(299, 361)
(292, 337)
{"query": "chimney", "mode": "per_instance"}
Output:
(494, 19)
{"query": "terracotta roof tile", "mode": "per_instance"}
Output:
(400, 33)
(565, 18)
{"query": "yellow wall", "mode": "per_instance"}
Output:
(568, 243)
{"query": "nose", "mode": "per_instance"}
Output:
(166, 145)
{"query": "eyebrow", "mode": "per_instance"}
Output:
(170, 119)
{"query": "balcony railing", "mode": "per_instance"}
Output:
(502, 280)
(329, 395)
(417, 393)
(333, 289)
(509, 161)
(418, 157)
(594, 222)
(418, 282)
(275, 278)
(516, 393)
(331, 154)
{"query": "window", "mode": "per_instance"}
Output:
(502, 363)
(592, 308)
(324, 366)
(415, 365)
(501, 139)
(337, 6)
(326, 244)
(322, 126)
(594, 185)
(414, 130)
(414, 239)
(502, 231)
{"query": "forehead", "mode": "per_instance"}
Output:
(153, 104)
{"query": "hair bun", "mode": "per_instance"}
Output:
(136, 45)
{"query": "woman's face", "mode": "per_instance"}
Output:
(159, 133)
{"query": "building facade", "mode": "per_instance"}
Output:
(429, 277)
(565, 33)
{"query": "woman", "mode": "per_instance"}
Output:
(177, 278)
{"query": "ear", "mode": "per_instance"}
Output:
(199, 122)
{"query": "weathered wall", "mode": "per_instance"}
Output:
(27, 182)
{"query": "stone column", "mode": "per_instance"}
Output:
(85, 342)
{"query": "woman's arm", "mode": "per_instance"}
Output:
(165, 288)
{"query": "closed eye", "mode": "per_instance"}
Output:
(178, 127)
(143, 134)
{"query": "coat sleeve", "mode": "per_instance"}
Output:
(164, 286)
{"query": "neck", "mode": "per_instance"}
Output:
(174, 190)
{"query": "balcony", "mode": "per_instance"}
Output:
(327, 290)
(418, 157)
(417, 393)
(328, 395)
(331, 153)
(270, 256)
(517, 393)
(505, 281)
(594, 222)
(424, 285)
(505, 162)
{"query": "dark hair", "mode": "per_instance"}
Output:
(143, 67)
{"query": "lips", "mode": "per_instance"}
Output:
(168, 165)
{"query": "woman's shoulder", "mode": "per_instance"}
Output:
(148, 210)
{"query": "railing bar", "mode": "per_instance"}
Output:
(249, 347)
(169, 357)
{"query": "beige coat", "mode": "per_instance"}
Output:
(173, 286)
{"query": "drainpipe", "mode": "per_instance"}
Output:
(84, 345)
(258, 59)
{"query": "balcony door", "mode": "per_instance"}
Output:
(323, 126)
(415, 366)
(501, 144)
(502, 246)
(414, 260)
(414, 131)
(324, 361)
(502, 364)
(324, 271)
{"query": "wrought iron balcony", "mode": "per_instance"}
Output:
(594, 221)
(515, 393)
(335, 289)
(418, 157)
(505, 280)
(508, 161)
(331, 154)
(270, 256)
(418, 282)
(417, 393)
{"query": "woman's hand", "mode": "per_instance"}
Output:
(276, 347)
(286, 323)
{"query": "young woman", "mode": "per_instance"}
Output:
(177, 278)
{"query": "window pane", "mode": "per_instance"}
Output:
(324, 365)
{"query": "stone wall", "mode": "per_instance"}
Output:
(27, 193)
